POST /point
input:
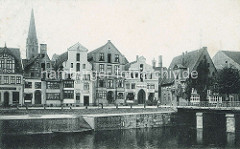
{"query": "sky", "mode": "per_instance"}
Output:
(136, 27)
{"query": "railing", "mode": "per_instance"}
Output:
(215, 99)
(211, 104)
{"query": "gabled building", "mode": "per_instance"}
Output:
(35, 67)
(172, 85)
(11, 78)
(227, 59)
(141, 84)
(76, 76)
(109, 61)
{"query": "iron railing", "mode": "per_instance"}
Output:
(207, 104)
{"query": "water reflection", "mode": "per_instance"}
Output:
(166, 137)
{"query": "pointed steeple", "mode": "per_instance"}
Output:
(32, 29)
(32, 41)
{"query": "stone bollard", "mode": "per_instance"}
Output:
(131, 106)
(144, 106)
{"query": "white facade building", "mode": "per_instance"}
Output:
(77, 83)
(141, 82)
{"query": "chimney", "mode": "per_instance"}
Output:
(160, 61)
(183, 58)
(136, 57)
(43, 48)
(154, 62)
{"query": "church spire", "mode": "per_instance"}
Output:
(32, 29)
(32, 42)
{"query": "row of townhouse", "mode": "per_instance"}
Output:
(75, 77)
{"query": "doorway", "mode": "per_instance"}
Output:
(141, 96)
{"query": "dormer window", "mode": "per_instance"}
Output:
(101, 57)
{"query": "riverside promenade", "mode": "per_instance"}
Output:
(50, 120)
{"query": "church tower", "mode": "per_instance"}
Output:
(32, 42)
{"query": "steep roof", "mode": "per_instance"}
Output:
(127, 66)
(15, 52)
(54, 57)
(234, 55)
(61, 58)
(28, 63)
(78, 46)
(90, 54)
(186, 60)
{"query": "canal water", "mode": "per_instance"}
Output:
(164, 137)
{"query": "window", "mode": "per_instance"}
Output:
(127, 86)
(109, 58)
(28, 97)
(12, 80)
(116, 58)
(18, 80)
(43, 66)
(48, 65)
(28, 84)
(68, 94)
(32, 74)
(101, 83)
(101, 57)
(116, 69)
(53, 85)
(78, 67)
(110, 83)
(120, 96)
(109, 68)
(7, 64)
(68, 84)
(101, 94)
(141, 67)
(86, 86)
(84, 66)
(86, 77)
(2, 64)
(6, 79)
(37, 85)
(71, 65)
(15, 97)
(151, 86)
(133, 85)
(53, 96)
(78, 57)
(101, 67)
(136, 74)
(120, 84)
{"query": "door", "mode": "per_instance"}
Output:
(38, 97)
(77, 98)
(86, 100)
(110, 97)
(6, 99)
(141, 96)
(15, 98)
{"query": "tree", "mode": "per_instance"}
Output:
(228, 81)
(201, 83)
